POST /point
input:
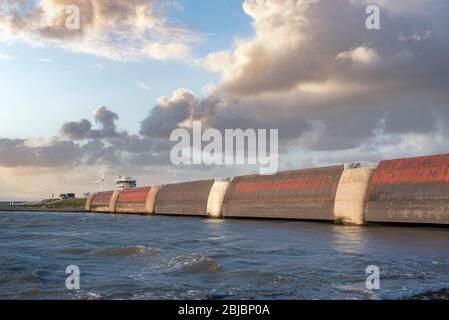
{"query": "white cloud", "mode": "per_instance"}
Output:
(45, 60)
(5, 57)
(361, 55)
(160, 51)
(143, 85)
(119, 30)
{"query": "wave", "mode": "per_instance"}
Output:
(359, 292)
(119, 251)
(124, 251)
(193, 262)
(34, 277)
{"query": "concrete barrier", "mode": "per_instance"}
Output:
(186, 198)
(351, 195)
(411, 190)
(132, 200)
(113, 201)
(88, 205)
(101, 202)
(216, 197)
(298, 194)
(150, 202)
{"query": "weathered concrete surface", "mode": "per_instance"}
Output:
(412, 190)
(351, 195)
(296, 194)
(101, 201)
(88, 206)
(186, 198)
(132, 200)
(216, 197)
(113, 201)
(150, 202)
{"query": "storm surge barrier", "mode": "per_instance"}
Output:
(411, 190)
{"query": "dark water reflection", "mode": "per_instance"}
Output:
(138, 257)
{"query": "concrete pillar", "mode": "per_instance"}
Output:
(88, 205)
(150, 203)
(113, 201)
(216, 197)
(351, 194)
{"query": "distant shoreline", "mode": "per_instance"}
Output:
(65, 205)
(34, 209)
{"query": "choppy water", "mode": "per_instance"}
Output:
(139, 257)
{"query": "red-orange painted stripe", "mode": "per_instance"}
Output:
(412, 170)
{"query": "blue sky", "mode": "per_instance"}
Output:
(55, 85)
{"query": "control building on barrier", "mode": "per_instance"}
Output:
(125, 183)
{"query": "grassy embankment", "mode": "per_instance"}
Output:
(60, 204)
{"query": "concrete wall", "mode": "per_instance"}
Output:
(88, 205)
(113, 201)
(351, 195)
(216, 197)
(133, 200)
(101, 201)
(150, 202)
(412, 190)
(296, 194)
(186, 198)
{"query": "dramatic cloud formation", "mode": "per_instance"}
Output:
(336, 91)
(168, 114)
(16, 153)
(324, 80)
(114, 29)
(310, 62)
(83, 129)
(300, 43)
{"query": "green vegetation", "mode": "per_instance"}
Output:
(61, 204)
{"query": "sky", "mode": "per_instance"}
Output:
(104, 98)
